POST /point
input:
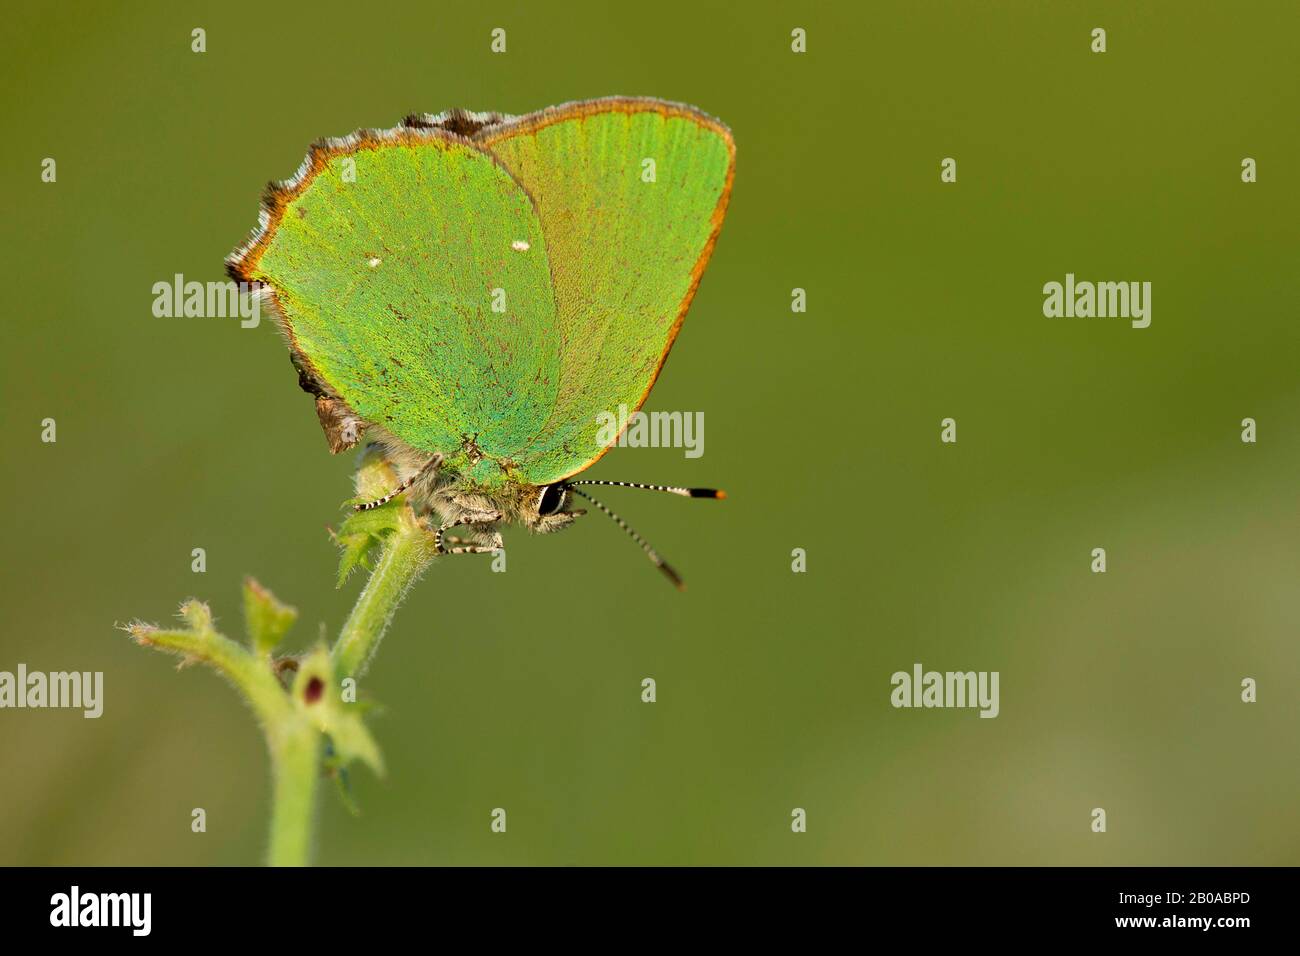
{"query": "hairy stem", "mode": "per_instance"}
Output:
(298, 720)
(251, 676)
(405, 553)
(295, 770)
(294, 742)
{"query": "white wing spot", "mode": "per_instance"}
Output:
(519, 245)
(374, 263)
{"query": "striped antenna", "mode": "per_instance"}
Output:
(672, 490)
(650, 552)
(432, 464)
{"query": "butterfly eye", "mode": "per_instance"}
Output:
(552, 499)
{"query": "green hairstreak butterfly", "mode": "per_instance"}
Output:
(471, 291)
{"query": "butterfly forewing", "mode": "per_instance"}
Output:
(412, 275)
(630, 194)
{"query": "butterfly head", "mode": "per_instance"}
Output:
(546, 508)
(549, 504)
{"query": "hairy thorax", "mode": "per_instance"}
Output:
(468, 485)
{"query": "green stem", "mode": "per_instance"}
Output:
(296, 722)
(246, 672)
(295, 770)
(405, 553)
(293, 741)
(296, 747)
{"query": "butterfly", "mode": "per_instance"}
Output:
(471, 290)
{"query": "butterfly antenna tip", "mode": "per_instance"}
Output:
(650, 552)
(670, 489)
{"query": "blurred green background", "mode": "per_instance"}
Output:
(522, 690)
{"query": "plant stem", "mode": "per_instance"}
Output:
(250, 675)
(297, 720)
(293, 741)
(405, 553)
(295, 770)
(295, 744)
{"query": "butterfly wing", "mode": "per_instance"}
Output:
(630, 194)
(386, 256)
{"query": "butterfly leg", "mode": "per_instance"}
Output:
(429, 467)
(492, 548)
(496, 544)
(452, 541)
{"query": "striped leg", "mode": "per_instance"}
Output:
(453, 541)
(471, 519)
(430, 467)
